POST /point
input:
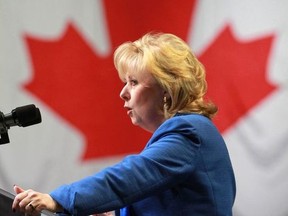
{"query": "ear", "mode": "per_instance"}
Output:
(167, 95)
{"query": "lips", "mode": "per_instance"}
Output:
(129, 110)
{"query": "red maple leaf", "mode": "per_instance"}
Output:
(83, 87)
(236, 75)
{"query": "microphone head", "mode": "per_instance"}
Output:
(27, 115)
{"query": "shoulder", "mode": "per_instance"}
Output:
(188, 125)
(181, 124)
(186, 121)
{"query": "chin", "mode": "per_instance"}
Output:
(135, 122)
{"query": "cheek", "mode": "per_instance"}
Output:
(137, 97)
(151, 101)
(147, 98)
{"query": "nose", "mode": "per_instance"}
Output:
(124, 94)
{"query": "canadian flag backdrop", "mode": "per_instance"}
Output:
(58, 55)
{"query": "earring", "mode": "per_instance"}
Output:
(165, 107)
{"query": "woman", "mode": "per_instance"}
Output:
(185, 167)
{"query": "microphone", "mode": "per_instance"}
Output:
(21, 116)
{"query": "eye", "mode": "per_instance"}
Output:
(133, 82)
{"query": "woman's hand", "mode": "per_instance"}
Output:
(32, 202)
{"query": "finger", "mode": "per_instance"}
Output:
(18, 189)
(30, 208)
(22, 200)
(30, 204)
(21, 194)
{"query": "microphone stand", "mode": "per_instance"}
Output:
(4, 138)
(3, 131)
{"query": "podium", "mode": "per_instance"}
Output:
(6, 200)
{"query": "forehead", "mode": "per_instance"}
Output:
(141, 76)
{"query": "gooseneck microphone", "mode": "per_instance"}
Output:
(21, 116)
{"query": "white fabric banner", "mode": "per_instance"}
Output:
(58, 56)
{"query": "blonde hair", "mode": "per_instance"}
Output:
(171, 62)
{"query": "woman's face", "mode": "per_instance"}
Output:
(143, 98)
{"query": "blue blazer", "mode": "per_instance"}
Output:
(184, 169)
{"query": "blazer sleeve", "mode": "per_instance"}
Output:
(168, 157)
